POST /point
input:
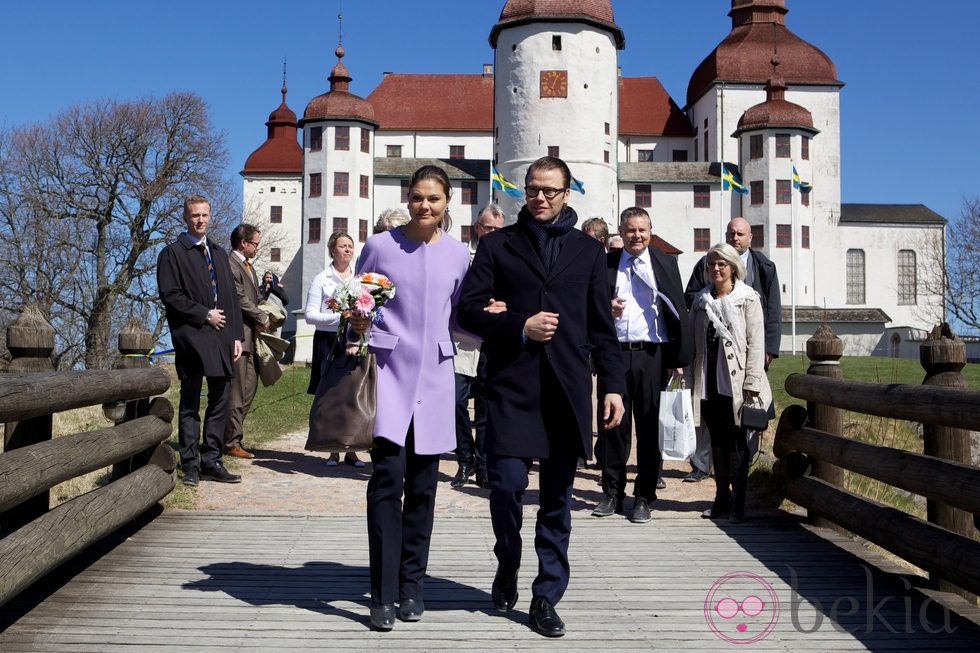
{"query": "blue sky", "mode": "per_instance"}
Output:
(910, 132)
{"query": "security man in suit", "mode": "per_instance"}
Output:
(245, 241)
(551, 277)
(654, 334)
(198, 294)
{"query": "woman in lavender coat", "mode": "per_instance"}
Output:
(416, 392)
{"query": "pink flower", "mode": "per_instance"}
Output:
(364, 303)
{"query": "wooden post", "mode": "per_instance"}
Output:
(824, 349)
(134, 343)
(942, 356)
(30, 340)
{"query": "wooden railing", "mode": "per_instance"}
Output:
(35, 539)
(812, 454)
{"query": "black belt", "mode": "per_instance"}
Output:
(637, 346)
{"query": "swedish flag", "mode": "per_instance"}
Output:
(577, 186)
(802, 186)
(497, 182)
(730, 181)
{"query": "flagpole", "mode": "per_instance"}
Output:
(792, 255)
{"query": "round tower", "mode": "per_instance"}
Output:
(556, 92)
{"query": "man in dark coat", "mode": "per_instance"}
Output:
(552, 279)
(760, 273)
(198, 292)
(654, 334)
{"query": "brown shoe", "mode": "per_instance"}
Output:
(238, 452)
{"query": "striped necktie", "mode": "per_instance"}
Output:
(211, 272)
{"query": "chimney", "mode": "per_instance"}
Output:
(488, 70)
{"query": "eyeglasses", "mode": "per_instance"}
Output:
(550, 193)
(718, 264)
(751, 606)
(252, 242)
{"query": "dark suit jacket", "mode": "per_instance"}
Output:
(679, 350)
(247, 287)
(507, 267)
(765, 282)
(185, 290)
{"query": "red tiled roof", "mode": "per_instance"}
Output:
(646, 108)
(597, 12)
(663, 245)
(281, 152)
(775, 112)
(759, 29)
(339, 102)
(453, 103)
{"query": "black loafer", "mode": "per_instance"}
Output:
(608, 506)
(382, 616)
(191, 477)
(463, 473)
(218, 473)
(410, 609)
(482, 478)
(696, 476)
(544, 620)
(661, 483)
(504, 590)
(641, 511)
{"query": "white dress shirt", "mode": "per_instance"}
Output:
(642, 320)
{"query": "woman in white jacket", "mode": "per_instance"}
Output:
(729, 370)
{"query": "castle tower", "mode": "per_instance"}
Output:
(556, 92)
(272, 198)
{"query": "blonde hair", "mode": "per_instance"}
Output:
(729, 254)
(391, 218)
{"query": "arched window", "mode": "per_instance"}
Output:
(855, 276)
(906, 277)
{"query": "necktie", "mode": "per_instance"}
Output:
(248, 266)
(211, 272)
(638, 271)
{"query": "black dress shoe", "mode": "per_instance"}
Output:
(608, 506)
(641, 511)
(661, 483)
(191, 476)
(504, 590)
(462, 474)
(482, 478)
(382, 616)
(543, 618)
(410, 609)
(218, 473)
(696, 476)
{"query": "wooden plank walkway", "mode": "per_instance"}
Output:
(205, 582)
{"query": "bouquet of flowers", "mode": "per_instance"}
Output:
(362, 295)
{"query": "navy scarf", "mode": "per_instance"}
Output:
(547, 235)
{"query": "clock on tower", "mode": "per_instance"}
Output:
(554, 83)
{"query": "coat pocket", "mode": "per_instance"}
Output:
(383, 341)
(446, 349)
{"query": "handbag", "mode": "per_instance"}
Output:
(678, 439)
(755, 417)
(345, 405)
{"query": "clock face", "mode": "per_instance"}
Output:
(554, 83)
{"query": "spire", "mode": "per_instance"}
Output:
(340, 76)
(283, 89)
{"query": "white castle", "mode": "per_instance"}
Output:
(764, 101)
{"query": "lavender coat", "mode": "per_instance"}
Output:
(413, 345)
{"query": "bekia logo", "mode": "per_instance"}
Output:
(741, 608)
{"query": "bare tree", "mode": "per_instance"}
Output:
(954, 267)
(88, 199)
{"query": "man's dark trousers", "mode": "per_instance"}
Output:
(189, 421)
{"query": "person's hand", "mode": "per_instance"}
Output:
(495, 306)
(541, 326)
(237, 353)
(360, 324)
(677, 375)
(618, 306)
(612, 410)
(769, 358)
(261, 326)
(216, 318)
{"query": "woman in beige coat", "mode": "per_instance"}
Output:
(729, 370)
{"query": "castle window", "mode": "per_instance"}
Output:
(906, 277)
(677, 156)
(275, 214)
(342, 138)
(275, 255)
(757, 193)
(855, 276)
(341, 180)
(365, 140)
(702, 240)
(784, 235)
(362, 230)
(805, 198)
(605, 156)
(464, 233)
(316, 139)
(784, 191)
(364, 186)
(702, 196)
(316, 184)
(556, 42)
(758, 235)
(340, 225)
(805, 237)
(468, 194)
(607, 128)
(405, 190)
(313, 230)
(645, 156)
(782, 146)
(393, 151)
(755, 146)
(553, 151)
(643, 195)
(457, 151)
(805, 148)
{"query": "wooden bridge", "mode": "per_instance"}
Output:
(111, 571)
